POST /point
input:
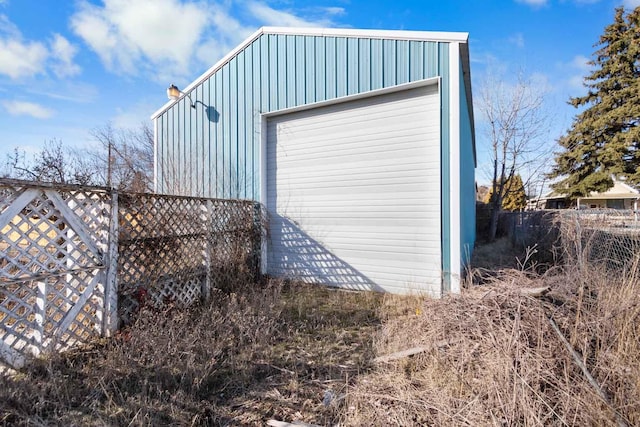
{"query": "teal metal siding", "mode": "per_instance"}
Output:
(467, 178)
(445, 218)
(213, 150)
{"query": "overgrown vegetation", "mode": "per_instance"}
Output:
(272, 351)
(516, 348)
(500, 362)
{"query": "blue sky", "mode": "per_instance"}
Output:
(67, 67)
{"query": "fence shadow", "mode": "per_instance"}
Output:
(304, 258)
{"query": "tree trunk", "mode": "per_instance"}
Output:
(493, 221)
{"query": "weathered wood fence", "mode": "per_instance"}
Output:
(77, 262)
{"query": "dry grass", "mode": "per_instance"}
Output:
(500, 362)
(275, 351)
(296, 352)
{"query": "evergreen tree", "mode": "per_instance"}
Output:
(514, 198)
(604, 139)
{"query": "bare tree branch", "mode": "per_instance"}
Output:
(514, 123)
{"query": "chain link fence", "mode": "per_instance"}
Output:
(603, 237)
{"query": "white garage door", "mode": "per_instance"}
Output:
(353, 193)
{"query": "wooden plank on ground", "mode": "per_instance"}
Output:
(413, 351)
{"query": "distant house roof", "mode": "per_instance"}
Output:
(620, 190)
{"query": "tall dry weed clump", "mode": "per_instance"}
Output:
(168, 367)
(271, 350)
(493, 355)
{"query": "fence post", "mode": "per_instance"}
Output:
(110, 323)
(579, 248)
(259, 248)
(40, 314)
(208, 220)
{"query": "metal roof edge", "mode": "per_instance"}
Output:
(435, 36)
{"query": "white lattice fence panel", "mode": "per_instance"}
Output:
(71, 255)
(52, 271)
(173, 249)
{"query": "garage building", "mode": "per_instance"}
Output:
(360, 143)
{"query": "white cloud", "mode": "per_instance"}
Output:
(63, 53)
(517, 40)
(631, 3)
(21, 58)
(228, 33)
(24, 108)
(270, 16)
(334, 10)
(168, 39)
(126, 35)
(535, 3)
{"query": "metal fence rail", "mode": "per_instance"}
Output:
(79, 261)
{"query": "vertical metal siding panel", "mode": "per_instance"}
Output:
(171, 137)
(187, 171)
(265, 68)
(290, 60)
(247, 115)
(364, 65)
(232, 140)
(197, 115)
(240, 115)
(330, 67)
(300, 74)
(272, 83)
(211, 136)
(377, 67)
(321, 73)
(219, 135)
(159, 154)
(175, 148)
(416, 61)
(353, 68)
(226, 131)
(443, 69)
(467, 178)
(431, 62)
(402, 61)
(185, 152)
(258, 61)
(282, 71)
(310, 69)
(206, 137)
(163, 150)
(184, 148)
(341, 66)
(389, 63)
